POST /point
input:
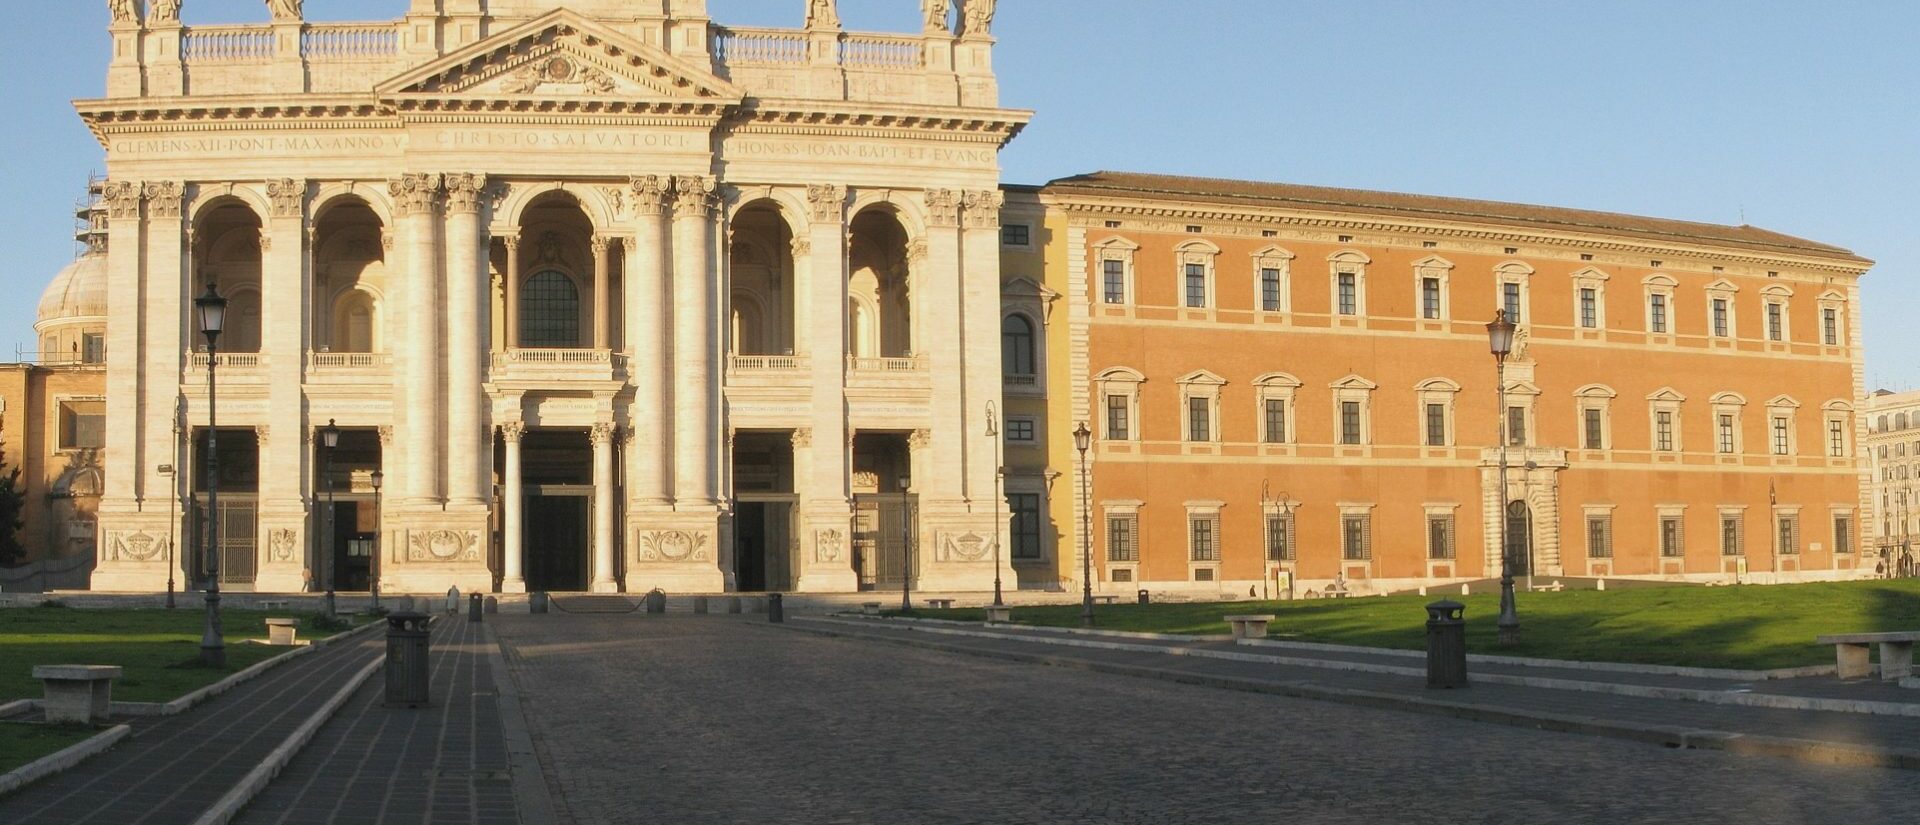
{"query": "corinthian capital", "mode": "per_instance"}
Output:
(464, 190)
(122, 198)
(983, 208)
(163, 199)
(414, 192)
(943, 207)
(512, 430)
(650, 193)
(288, 195)
(827, 202)
(692, 196)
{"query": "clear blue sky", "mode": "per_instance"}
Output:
(1803, 117)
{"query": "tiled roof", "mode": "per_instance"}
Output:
(1431, 207)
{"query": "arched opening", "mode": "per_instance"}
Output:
(861, 339)
(881, 283)
(1519, 537)
(350, 273)
(760, 262)
(555, 276)
(226, 239)
(549, 310)
(1016, 346)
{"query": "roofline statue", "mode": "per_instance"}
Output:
(284, 10)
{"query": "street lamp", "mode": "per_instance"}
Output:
(1081, 436)
(999, 473)
(378, 530)
(167, 470)
(1500, 342)
(212, 310)
(329, 438)
(1284, 503)
(906, 546)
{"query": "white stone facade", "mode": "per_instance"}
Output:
(545, 264)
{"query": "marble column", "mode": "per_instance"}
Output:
(513, 577)
(124, 300)
(821, 470)
(469, 445)
(288, 499)
(164, 341)
(650, 474)
(937, 308)
(603, 573)
(601, 291)
(416, 199)
(511, 287)
(695, 327)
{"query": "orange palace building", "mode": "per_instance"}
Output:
(1290, 388)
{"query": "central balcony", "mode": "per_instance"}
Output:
(545, 365)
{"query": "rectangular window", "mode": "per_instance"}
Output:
(1123, 543)
(1830, 326)
(1196, 285)
(1276, 410)
(1842, 534)
(1199, 423)
(1115, 275)
(1430, 298)
(1787, 535)
(1657, 312)
(1594, 432)
(1280, 538)
(1672, 539)
(1015, 234)
(1510, 299)
(1270, 290)
(1349, 298)
(1599, 537)
(1731, 543)
(1779, 435)
(1774, 322)
(1720, 317)
(1589, 307)
(1349, 422)
(1025, 508)
(1436, 425)
(1117, 423)
(1516, 426)
(1356, 537)
(93, 348)
(1440, 537)
(83, 425)
(1723, 433)
(1663, 431)
(1205, 542)
(1836, 439)
(1020, 430)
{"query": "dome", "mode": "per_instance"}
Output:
(79, 291)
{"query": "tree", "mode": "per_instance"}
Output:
(13, 502)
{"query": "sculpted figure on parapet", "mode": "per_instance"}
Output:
(822, 14)
(976, 17)
(936, 12)
(123, 11)
(284, 9)
(164, 11)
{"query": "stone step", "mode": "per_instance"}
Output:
(601, 603)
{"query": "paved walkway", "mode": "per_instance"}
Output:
(726, 719)
(172, 769)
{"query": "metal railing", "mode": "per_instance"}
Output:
(349, 360)
(767, 363)
(198, 360)
(1020, 380)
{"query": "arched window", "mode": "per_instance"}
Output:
(1899, 421)
(1016, 345)
(549, 311)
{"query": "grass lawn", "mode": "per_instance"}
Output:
(158, 648)
(21, 743)
(1737, 627)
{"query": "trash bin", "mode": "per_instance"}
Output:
(1446, 644)
(537, 601)
(656, 601)
(406, 660)
(775, 608)
(474, 606)
(1142, 596)
(493, 605)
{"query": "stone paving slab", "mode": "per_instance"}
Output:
(173, 768)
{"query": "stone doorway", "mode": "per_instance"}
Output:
(763, 546)
(557, 529)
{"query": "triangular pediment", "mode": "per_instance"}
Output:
(561, 55)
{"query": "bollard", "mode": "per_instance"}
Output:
(1446, 644)
(733, 604)
(406, 666)
(473, 607)
(493, 605)
(1143, 596)
(656, 601)
(699, 604)
(775, 609)
(537, 602)
(453, 599)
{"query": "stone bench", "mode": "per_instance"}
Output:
(1105, 598)
(940, 604)
(76, 693)
(283, 631)
(999, 615)
(1850, 653)
(870, 608)
(1250, 626)
(273, 604)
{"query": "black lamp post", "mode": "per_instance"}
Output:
(1081, 436)
(906, 547)
(212, 310)
(999, 473)
(1500, 342)
(373, 584)
(329, 438)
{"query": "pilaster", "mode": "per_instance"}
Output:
(417, 375)
(163, 338)
(695, 347)
(165, 66)
(820, 451)
(124, 75)
(135, 539)
(648, 337)
(469, 445)
(286, 475)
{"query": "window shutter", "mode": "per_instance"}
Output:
(1366, 536)
(1217, 550)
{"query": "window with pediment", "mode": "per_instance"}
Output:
(1513, 280)
(1663, 414)
(1119, 390)
(1113, 269)
(1273, 280)
(1347, 278)
(1590, 299)
(1659, 304)
(1435, 397)
(1432, 293)
(1595, 405)
(1721, 320)
(1195, 261)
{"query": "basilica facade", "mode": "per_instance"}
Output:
(583, 295)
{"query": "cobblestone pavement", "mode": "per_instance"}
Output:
(172, 769)
(445, 763)
(718, 719)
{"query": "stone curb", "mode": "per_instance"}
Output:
(1070, 631)
(61, 760)
(250, 786)
(531, 798)
(189, 701)
(1666, 735)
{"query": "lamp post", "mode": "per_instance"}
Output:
(1081, 436)
(906, 547)
(167, 471)
(373, 584)
(999, 474)
(212, 310)
(1284, 503)
(1500, 342)
(329, 439)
